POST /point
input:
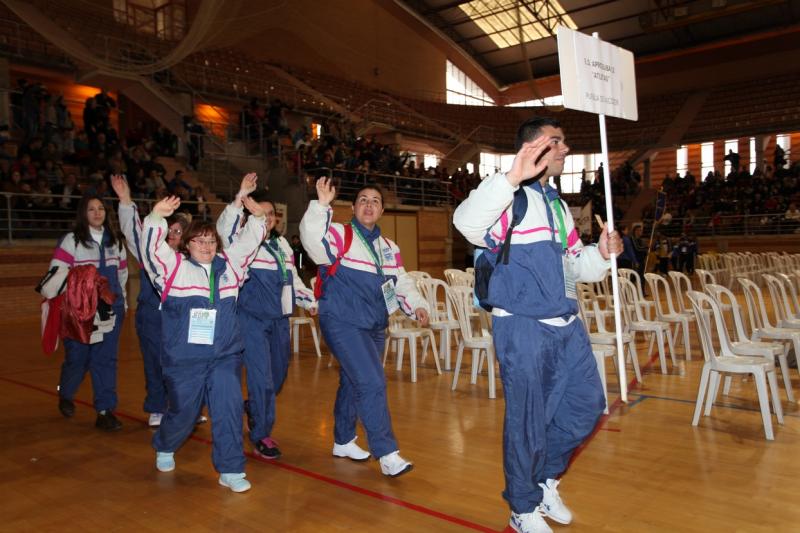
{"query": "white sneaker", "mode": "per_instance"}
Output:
(155, 420)
(529, 522)
(165, 461)
(351, 450)
(393, 465)
(551, 505)
(235, 482)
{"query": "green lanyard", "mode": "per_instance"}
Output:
(211, 284)
(556, 206)
(278, 257)
(377, 257)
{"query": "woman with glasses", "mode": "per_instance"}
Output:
(202, 342)
(148, 316)
(265, 304)
(363, 282)
(92, 242)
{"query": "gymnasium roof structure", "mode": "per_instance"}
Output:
(488, 30)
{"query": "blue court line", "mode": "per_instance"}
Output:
(716, 404)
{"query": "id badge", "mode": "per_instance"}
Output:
(286, 300)
(569, 278)
(201, 326)
(389, 297)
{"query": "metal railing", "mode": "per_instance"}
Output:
(398, 190)
(729, 225)
(40, 216)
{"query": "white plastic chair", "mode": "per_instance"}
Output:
(647, 306)
(449, 274)
(729, 363)
(600, 353)
(784, 314)
(744, 345)
(681, 320)
(462, 279)
(401, 332)
(682, 285)
(462, 301)
(761, 326)
(294, 330)
(638, 323)
(789, 282)
(443, 319)
(601, 337)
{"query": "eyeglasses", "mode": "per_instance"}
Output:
(203, 242)
(175, 231)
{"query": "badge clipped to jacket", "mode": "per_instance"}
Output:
(389, 297)
(566, 260)
(201, 326)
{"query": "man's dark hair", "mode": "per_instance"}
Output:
(531, 128)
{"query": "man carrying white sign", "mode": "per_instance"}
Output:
(552, 388)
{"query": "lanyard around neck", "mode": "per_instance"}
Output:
(278, 257)
(378, 258)
(556, 206)
(211, 283)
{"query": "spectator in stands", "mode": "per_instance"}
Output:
(43, 196)
(32, 96)
(663, 249)
(24, 167)
(5, 169)
(628, 257)
(195, 144)
(91, 118)
(640, 249)
(63, 116)
(779, 158)
(63, 193)
(733, 157)
(792, 216)
(179, 181)
(51, 173)
(298, 254)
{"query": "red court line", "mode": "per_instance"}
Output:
(301, 471)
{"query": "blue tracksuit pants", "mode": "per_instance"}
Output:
(148, 328)
(100, 360)
(218, 383)
(362, 385)
(554, 398)
(266, 358)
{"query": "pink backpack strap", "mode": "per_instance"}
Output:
(168, 284)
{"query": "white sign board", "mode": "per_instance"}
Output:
(596, 76)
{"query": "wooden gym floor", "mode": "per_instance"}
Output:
(645, 468)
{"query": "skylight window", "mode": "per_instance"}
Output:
(498, 19)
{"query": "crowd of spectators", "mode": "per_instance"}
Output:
(756, 202)
(355, 161)
(54, 162)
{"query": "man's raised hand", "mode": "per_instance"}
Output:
(527, 163)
